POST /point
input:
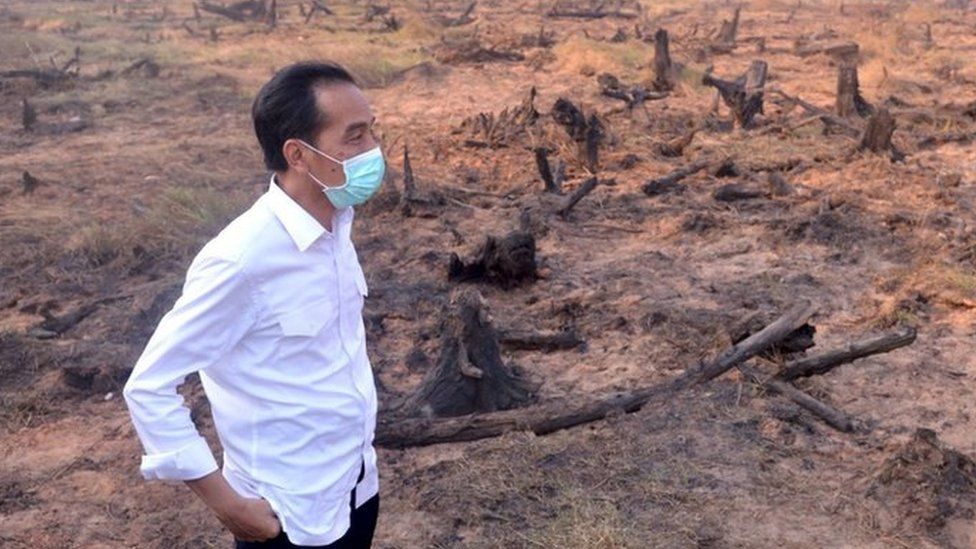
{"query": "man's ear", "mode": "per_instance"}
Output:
(294, 154)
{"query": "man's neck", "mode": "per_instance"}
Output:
(309, 197)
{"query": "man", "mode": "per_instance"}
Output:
(271, 318)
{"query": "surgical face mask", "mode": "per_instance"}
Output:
(364, 175)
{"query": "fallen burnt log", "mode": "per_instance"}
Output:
(530, 340)
(670, 181)
(821, 114)
(470, 376)
(248, 10)
(931, 141)
(583, 190)
(830, 415)
(843, 50)
(49, 77)
(744, 95)
(508, 261)
(611, 86)
(597, 11)
(460, 20)
(399, 432)
(824, 362)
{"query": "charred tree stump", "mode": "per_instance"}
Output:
(412, 203)
(877, 135)
(470, 376)
(725, 39)
(29, 182)
(508, 261)
(545, 171)
(586, 132)
(729, 30)
(592, 138)
(849, 100)
(570, 117)
(271, 18)
(664, 73)
(28, 115)
(744, 96)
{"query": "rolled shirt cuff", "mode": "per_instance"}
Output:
(193, 461)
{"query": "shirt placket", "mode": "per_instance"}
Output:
(349, 319)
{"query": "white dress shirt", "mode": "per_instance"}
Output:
(271, 318)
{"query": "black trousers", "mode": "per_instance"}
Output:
(362, 524)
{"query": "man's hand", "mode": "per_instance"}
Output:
(249, 519)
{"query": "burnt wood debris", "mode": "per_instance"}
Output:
(472, 393)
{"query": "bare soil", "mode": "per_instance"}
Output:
(133, 166)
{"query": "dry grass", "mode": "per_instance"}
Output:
(179, 221)
(580, 55)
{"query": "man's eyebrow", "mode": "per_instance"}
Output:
(359, 125)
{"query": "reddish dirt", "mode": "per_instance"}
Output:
(651, 282)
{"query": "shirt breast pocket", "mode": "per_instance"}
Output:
(307, 320)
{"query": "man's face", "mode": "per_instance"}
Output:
(347, 134)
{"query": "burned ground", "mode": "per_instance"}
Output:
(120, 158)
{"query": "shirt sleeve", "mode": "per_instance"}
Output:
(211, 315)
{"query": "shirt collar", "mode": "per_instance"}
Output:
(300, 225)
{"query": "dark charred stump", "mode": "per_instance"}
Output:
(591, 142)
(28, 115)
(849, 100)
(470, 376)
(877, 135)
(586, 132)
(729, 30)
(508, 261)
(412, 202)
(545, 171)
(664, 73)
(570, 117)
(744, 96)
(29, 182)
(271, 18)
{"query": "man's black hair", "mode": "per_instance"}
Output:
(285, 107)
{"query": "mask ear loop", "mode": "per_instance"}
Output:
(339, 162)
